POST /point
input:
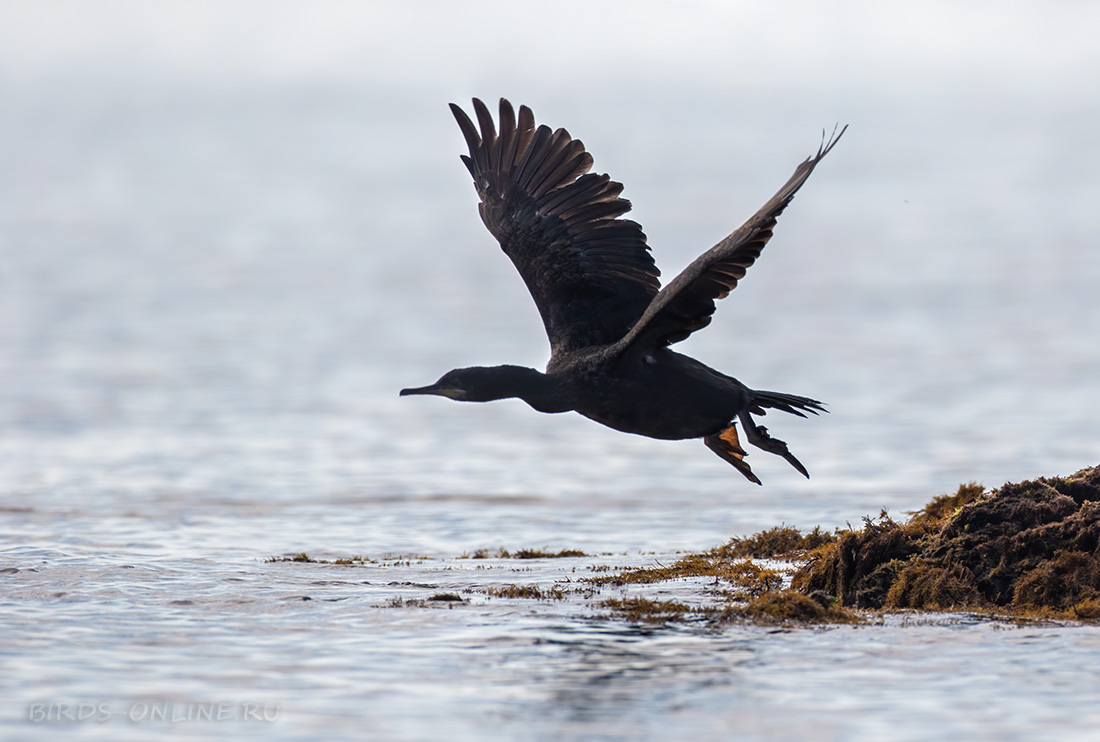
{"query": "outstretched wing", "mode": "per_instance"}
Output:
(687, 303)
(589, 272)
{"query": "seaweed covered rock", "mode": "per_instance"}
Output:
(1027, 547)
(792, 607)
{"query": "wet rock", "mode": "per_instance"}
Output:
(1028, 547)
(790, 606)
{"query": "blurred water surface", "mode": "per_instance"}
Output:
(229, 235)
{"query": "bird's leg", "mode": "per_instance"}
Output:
(726, 444)
(758, 436)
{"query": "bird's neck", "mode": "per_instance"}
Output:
(542, 391)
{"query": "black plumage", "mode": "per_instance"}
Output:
(598, 291)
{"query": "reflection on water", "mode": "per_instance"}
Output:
(215, 275)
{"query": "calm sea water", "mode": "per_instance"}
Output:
(228, 238)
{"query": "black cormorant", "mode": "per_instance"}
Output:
(595, 284)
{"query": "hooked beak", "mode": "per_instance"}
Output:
(434, 389)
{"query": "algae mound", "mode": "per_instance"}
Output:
(1029, 548)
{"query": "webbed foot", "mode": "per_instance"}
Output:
(759, 437)
(726, 444)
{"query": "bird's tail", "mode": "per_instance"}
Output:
(791, 403)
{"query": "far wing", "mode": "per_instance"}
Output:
(590, 272)
(687, 303)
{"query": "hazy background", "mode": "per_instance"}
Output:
(231, 220)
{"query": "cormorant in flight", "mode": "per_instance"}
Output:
(595, 284)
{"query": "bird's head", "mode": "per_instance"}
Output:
(475, 384)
